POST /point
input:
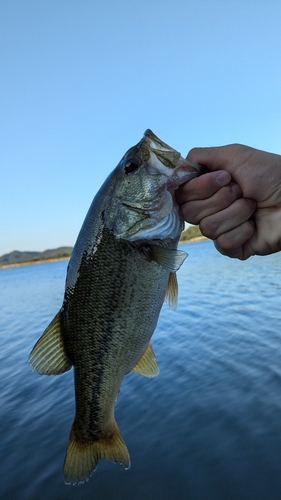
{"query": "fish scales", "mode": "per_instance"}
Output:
(115, 327)
(123, 263)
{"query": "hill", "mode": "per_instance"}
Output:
(191, 233)
(17, 257)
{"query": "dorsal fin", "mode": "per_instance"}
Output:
(48, 356)
(147, 364)
(172, 291)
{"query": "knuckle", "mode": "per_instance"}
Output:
(225, 243)
(236, 253)
(236, 190)
(193, 154)
(244, 208)
(209, 227)
(189, 214)
(231, 242)
(229, 194)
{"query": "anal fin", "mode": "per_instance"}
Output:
(147, 364)
(172, 291)
(48, 356)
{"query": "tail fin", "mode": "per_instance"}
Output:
(82, 458)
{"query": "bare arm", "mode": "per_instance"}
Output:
(238, 203)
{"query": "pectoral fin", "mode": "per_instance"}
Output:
(48, 356)
(172, 291)
(167, 258)
(147, 364)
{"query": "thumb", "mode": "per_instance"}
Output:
(217, 158)
(214, 158)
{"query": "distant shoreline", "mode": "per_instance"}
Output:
(58, 259)
(194, 240)
(32, 262)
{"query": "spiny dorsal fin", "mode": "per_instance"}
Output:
(48, 356)
(147, 364)
(167, 258)
(172, 291)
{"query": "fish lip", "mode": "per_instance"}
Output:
(186, 170)
(149, 137)
(170, 157)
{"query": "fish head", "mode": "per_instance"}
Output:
(142, 205)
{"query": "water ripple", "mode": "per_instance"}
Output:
(208, 427)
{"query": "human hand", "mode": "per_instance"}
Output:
(238, 203)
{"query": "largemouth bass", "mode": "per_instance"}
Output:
(122, 266)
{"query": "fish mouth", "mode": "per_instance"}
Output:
(168, 161)
(160, 158)
(154, 142)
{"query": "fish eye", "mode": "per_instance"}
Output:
(131, 166)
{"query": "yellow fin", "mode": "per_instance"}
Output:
(147, 364)
(171, 260)
(172, 291)
(48, 356)
(82, 457)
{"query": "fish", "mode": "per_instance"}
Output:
(122, 268)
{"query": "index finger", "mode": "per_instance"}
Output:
(203, 187)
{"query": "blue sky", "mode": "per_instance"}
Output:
(82, 80)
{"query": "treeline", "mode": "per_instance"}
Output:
(17, 257)
(190, 233)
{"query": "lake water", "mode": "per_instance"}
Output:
(207, 428)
